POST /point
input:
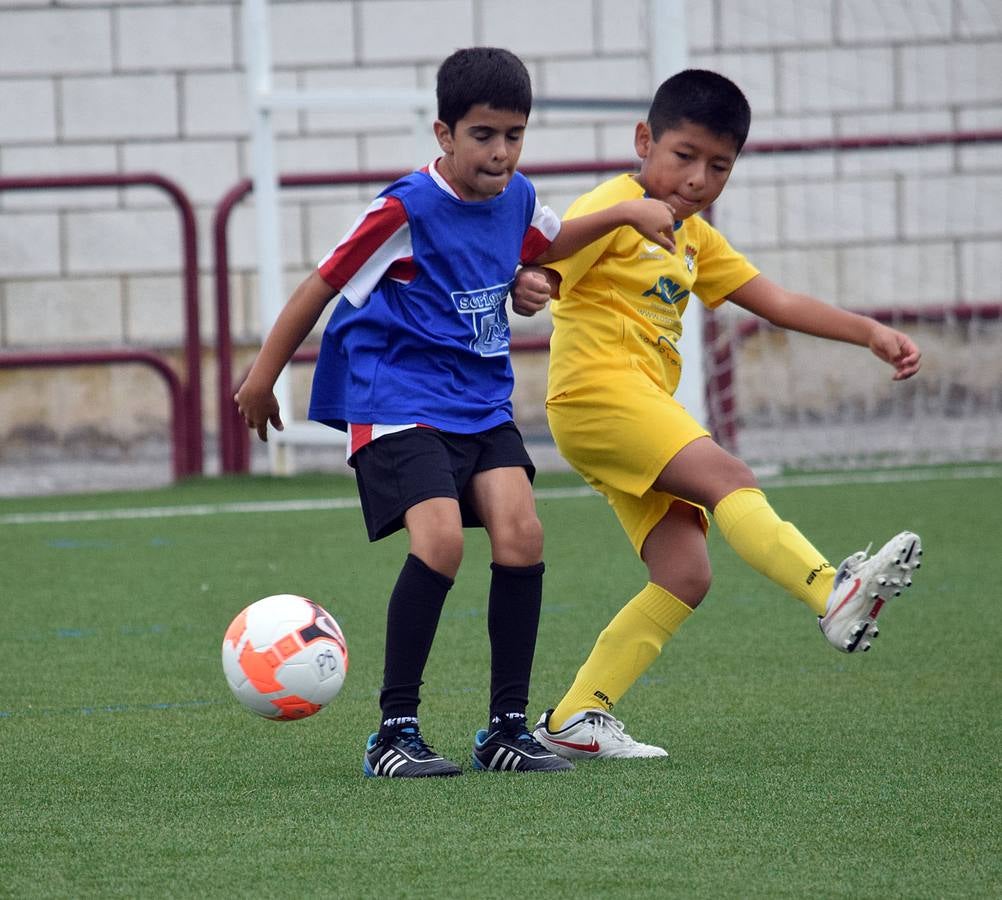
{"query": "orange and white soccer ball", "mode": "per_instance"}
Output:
(285, 657)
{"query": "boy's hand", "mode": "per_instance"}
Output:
(531, 292)
(258, 406)
(654, 219)
(896, 348)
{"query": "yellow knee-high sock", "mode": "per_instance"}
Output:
(774, 547)
(623, 651)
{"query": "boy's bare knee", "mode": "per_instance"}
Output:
(439, 549)
(689, 584)
(518, 542)
(693, 589)
(730, 475)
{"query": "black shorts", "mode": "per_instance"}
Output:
(400, 470)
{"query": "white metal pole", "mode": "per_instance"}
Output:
(425, 146)
(670, 54)
(257, 59)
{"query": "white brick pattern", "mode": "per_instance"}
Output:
(102, 85)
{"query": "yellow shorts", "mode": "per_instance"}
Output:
(619, 434)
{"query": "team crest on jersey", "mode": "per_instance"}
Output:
(690, 257)
(667, 291)
(484, 309)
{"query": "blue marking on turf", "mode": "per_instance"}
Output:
(124, 630)
(437, 692)
(74, 632)
(471, 612)
(474, 612)
(70, 632)
(137, 630)
(646, 679)
(101, 544)
(74, 544)
(110, 708)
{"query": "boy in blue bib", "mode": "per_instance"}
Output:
(414, 366)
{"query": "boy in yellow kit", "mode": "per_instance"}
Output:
(614, 365)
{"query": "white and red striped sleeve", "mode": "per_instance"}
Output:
(377, 244)
(543, 228)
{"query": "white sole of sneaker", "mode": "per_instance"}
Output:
(577, 752)
(891, 573)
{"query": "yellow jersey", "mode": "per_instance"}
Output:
(622, 297)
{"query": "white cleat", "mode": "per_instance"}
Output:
(593, 734)
(862, 586)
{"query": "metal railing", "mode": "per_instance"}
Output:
(232, 436)
(186, 397)
(175, 390)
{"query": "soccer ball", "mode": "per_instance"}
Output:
(285, 657)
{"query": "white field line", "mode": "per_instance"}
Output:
(216, 509)
(332, 503)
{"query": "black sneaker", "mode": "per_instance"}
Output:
(404, 754)
(516, 750)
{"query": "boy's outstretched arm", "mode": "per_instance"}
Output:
(256, 397)
(801, 312)
(654, 219)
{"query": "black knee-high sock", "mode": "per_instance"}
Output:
(512, 623)
(411, 621)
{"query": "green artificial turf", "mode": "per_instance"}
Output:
(127, 769)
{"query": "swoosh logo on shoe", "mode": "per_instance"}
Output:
(593, 747)
(846, 598)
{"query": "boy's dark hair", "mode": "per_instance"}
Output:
(487, 75)
(703, 98)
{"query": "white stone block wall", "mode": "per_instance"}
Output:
(89, 86)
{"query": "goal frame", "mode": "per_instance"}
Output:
(668, 53)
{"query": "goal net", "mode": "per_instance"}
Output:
(907, 229)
